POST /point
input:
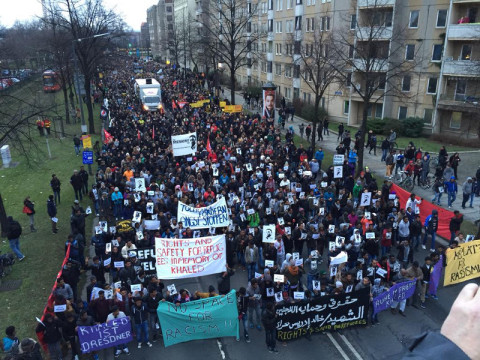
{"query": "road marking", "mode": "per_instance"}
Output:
(350, 346)
(339, 348)
(221, 350)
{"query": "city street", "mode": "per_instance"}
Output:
(388, 340)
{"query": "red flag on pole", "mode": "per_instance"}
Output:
(108, 137)
(209, 147)
(138, 134)
(173, 104)
(153, 133)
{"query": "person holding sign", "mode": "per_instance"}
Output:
(117, 314)
(140, 317)
(50, 328)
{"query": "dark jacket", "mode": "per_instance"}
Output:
(429, 345)
(51, 208)
(76, 181)
(455, 223)
(14, 230)
(139, 314)
(50, 330)
(152, 302)
(268, 319)
(55, 184)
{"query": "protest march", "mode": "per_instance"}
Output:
(197, 191)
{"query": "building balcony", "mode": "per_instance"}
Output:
(461, 68)
(375, 3)
(464, 31)
(374, 33)
(457, 102)
(466, 1)
(376, 65)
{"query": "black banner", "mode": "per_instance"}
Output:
(327, 313)
(145, 260)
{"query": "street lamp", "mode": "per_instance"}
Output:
(220, 69)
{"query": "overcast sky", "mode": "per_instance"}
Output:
(134, 12)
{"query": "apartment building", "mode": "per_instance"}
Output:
(435, 41)
(160, 19)
(458, 100)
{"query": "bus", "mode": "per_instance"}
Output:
(50, 81)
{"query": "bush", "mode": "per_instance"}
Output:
(412, 127)
(376, 125)
(308, 113)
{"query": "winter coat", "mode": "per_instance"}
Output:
(51, 208)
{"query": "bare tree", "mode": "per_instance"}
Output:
(314, 63)
(372, 60)
(87, 21)
(227, 23)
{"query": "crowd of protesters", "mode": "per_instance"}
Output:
(317, 214)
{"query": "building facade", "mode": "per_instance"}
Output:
(160, 19)
(435, 41)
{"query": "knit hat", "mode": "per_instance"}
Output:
(338, 284)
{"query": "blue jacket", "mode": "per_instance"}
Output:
(319, 155)
(451, 187)
(352, 157)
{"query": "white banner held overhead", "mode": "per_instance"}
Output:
(185, 144)
(186, 258)
(215, 215)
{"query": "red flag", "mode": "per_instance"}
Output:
(138, 134)
(174, 83)
(108, 137)
(209, 147)
(153, 133)
(173, 104)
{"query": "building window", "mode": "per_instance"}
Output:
(325, 25)
(279, 5)
(288, 93)
(289, 49)
(269, 66)
(270, 4)
(346, 107)
(456, 120)
(466, 52)
(289, 4)
(351, 50)
(298, 2)
(353, 22)
(437, 52)
(378, 111)
(278, 49)
(289, 26)
(309, 3)
(270, 25)
(428, 116)
(278, 27)
(288, 71)
(402, 112)
(413, 23)
(264, 66)
(432, 85)
(382, 81)
(278, 69)
(410, 52)
(348, 80)
(406, 83)
(441, 18)
(298, 23)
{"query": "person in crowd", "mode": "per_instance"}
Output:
(55, 184)
(29, 210)
(117, 314)
(52, 213)
(14, 230)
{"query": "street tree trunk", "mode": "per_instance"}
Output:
(88, 100)
(361, 143)
(315, 121)
(3, 218)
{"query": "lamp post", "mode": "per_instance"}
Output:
(220, 69)
(79, 98)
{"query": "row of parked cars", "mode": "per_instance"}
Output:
(12, 77)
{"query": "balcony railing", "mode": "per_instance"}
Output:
(375, 33)
(464, 31)
(375, 3)
(461, 68)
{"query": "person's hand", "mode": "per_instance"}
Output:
(462, 325)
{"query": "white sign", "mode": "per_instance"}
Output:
(278, 278)
(269, 263)
(338, 159)
(140, 185)
(215, 215)
(185, 144)
(268, 234)
(186, 258)
(339, 259)
(366, 199)
(338, 172)
(298, 295)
